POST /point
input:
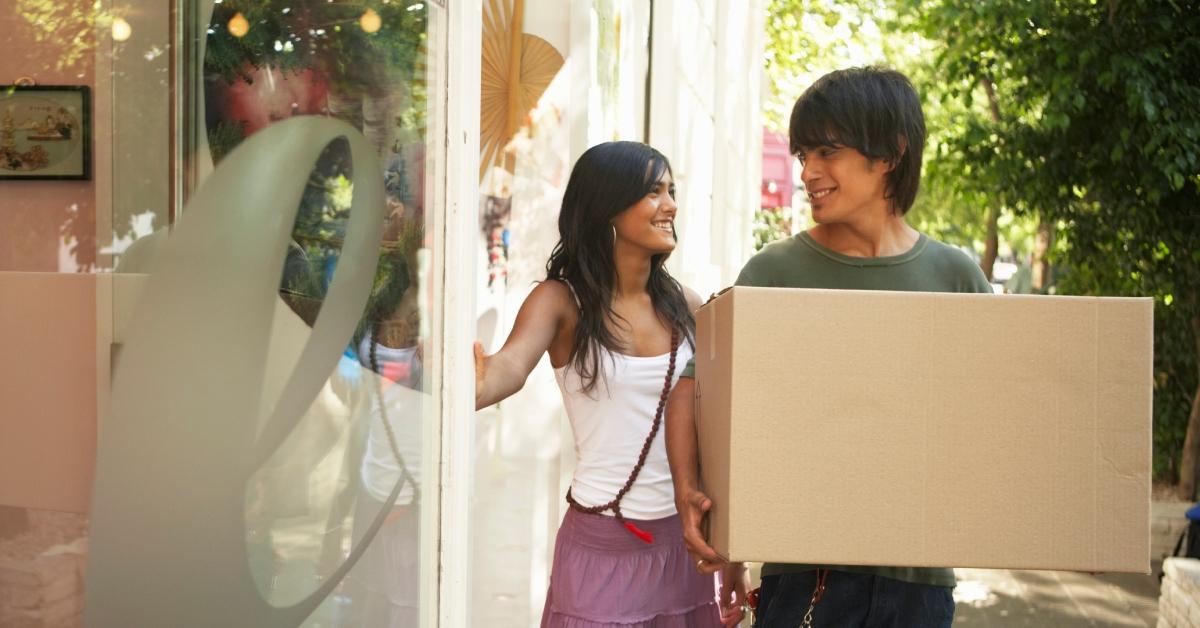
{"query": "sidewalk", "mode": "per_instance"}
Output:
(996, 598)
(1000, 598)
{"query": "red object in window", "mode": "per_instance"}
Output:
(777, 182)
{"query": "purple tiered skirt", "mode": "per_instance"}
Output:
(605, 576)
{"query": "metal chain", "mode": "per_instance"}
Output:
(818, 592)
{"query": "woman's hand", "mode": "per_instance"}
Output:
(481, 361)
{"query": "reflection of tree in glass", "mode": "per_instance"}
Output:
(69, 26)
(373, 80)
(319, 232)
(316, 57)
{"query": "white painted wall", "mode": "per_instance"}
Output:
(706, 119)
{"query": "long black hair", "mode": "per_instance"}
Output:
(608, 179)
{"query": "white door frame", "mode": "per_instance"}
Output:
(458, 235)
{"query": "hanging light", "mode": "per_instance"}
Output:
(370, 21)
(238, 26)
(121, 30)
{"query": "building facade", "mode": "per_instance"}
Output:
(197, 249)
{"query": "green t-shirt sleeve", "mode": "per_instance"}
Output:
(971, 277)
(690, 369)
(980, 283)
(754, 272)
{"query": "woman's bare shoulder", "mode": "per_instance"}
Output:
(554, 295)
(694, 300)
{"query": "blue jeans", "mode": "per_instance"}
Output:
(853, 599)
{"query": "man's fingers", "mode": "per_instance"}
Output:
(732, 602)
(732, 616)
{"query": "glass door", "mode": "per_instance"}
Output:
(269, 453)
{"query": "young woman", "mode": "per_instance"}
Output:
(618, 329)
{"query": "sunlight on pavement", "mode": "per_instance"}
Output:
(974, 592)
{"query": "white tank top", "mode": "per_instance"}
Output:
(405, 404)
(611, 424)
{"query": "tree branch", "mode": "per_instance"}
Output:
(993, 102)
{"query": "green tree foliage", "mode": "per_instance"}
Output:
(294, 35)
(806, 39)
(1075, 118)
(1098, 130)
(370, 55)
(770, 224)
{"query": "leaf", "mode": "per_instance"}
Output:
(1177, 180)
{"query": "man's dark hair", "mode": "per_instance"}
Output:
(874, 110)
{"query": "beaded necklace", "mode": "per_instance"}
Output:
(615, 504)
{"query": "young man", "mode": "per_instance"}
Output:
(859, 134)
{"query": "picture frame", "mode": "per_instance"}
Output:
(45, 132)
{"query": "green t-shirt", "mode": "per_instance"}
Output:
(800, 262)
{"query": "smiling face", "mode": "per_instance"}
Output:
(843, 185)
(649, 224)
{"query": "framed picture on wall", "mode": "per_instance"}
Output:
(45, 132)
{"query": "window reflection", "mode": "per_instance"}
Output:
(356, 456)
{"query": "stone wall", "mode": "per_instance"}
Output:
(1179, 602)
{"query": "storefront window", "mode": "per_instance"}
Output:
(260, 436)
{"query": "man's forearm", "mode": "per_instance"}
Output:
(681, 436)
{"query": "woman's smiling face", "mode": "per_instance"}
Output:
(649, 224)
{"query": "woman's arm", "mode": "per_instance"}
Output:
(538, 323)
(682, 456)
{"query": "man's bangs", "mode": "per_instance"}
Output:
(810, 128)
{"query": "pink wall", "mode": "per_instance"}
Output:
(34, 215)
(48, 322)
(48, 394)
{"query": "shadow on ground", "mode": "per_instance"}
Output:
(997, 598)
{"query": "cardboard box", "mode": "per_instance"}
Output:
(927, 430)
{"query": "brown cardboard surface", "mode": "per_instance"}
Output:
(916, 429)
